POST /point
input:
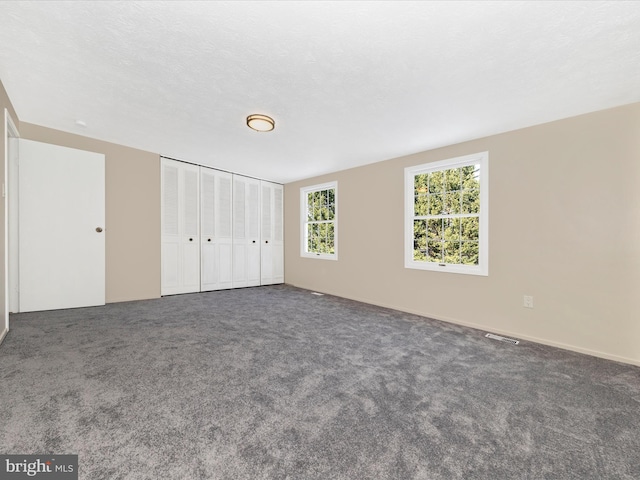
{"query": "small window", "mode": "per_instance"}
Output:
(319, 221)
(446, 215)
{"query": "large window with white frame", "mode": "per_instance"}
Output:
(446, 215)
(319, 221)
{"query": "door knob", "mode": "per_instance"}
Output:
(208, 239)
(253, 241)
(191, 239)
(99, 229)
(266, 241)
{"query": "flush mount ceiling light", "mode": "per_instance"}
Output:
(260, 123)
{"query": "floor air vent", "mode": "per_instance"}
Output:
(502, 339)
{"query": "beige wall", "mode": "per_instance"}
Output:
(564, 227)
(4, 103)
(132, 213)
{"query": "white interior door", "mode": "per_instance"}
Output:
(61, 227)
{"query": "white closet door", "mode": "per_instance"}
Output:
(272, 270)
(278, 234)
(216, 236)
(180, 227)
(224, 232)
(61, 222)
(253, 230)
(239, 233)
(246, 231)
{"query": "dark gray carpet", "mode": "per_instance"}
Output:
(274, 382)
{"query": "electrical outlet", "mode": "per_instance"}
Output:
(527, 301)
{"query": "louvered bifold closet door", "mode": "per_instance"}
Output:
(272, 270)
(180, 228)
(253, 232)
(246, 231)
(216, 235)
(278, 234)
(239, 233)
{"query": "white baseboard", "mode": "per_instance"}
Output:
(508, 333)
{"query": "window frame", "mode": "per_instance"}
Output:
(481, 158)
(304, 192)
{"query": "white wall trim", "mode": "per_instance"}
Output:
(10, 131)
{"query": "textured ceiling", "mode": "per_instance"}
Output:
(348, 83)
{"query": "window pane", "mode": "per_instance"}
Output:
(451, 229)
(310, 238)
(421, 204)
(332, 197)
(323, 237)
(452, 202)
(330, 212)
(420, 233)
(435, 231)
(471, 201)
(436, 182)
(470, 177)
(331, 238)
(331, 205)
(452, 179)
(469, 253)
(309, 206)
(470, 229)
(419, 239)
(434, 251)
(436, 204)
(452, 252)
(420, 184)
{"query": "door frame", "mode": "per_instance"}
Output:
(10, 153)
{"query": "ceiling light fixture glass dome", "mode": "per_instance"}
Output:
(260, 123)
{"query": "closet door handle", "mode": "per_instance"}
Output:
(191, 239)
(208, 239)
(253, 241)
(266, 241)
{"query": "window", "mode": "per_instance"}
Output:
(446, 215)
(319, 221)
